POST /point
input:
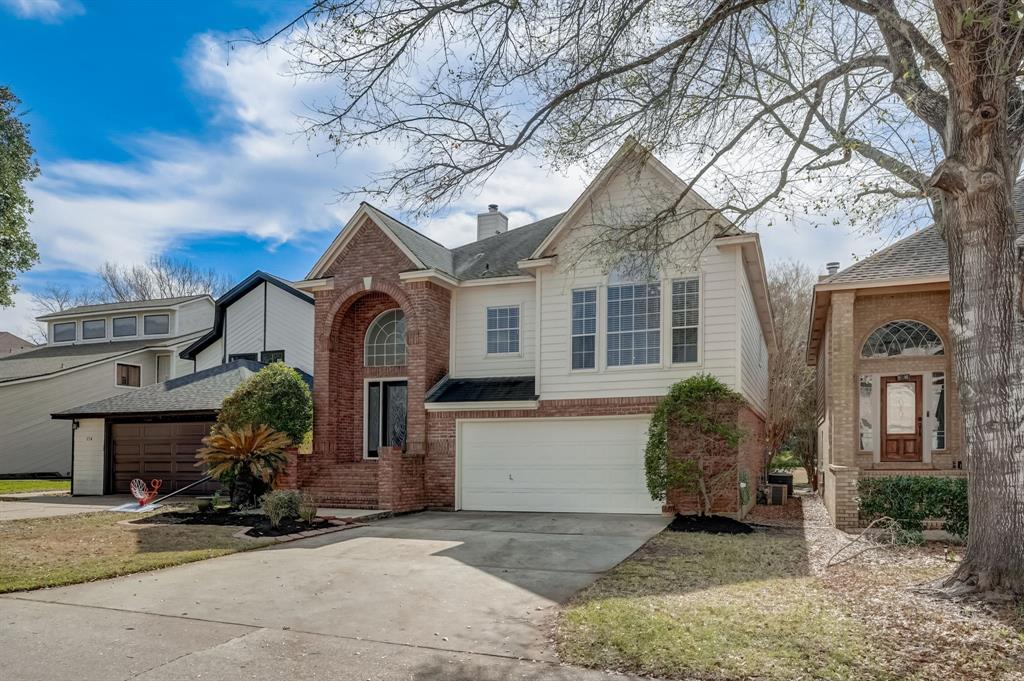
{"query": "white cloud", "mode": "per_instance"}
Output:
(47, 11)
(19, 319)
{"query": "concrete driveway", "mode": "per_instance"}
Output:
(427, 596)
(20, 507)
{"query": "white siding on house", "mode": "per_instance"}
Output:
(210, 356)
(32, 442)
(194, 316)
(290, 322)
(89, 456)
(753, 349)
(469, 333)
(243, 324)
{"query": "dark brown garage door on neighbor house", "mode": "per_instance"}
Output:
(165, 451)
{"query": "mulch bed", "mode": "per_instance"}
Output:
(711, 524)
(259, 523)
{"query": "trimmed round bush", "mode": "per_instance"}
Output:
(275, 396)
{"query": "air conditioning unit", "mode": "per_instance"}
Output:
(777, 495)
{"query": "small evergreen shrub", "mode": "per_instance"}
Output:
(696, 402)
(912, 499)
(275, 396)
(280, 504)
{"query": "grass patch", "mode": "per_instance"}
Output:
(41, 552)
(18, 486)
(716, 607)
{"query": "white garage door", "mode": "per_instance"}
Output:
(589, 465)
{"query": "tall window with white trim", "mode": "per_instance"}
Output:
(503, 330)
(634, 324)
(584, 328)
(685, 319)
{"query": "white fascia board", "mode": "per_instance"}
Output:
(481, 406)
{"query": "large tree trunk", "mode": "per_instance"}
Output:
(986, 313)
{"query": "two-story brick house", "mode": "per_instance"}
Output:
(518, 372)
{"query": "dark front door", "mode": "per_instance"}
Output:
(163, 451)
(901, 418)
(386, 409)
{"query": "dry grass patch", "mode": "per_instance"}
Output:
(770, 606)
(43, 552)
(716, 607)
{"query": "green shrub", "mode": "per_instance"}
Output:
(785, 460)
(912, 499)
(277, 397)
(697, 403)
(280, 504)
(307, 508)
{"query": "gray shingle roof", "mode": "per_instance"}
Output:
(130, 305)
(49, 359)
(202, 391)
(497, 256)
(921, 254)
(494, 256)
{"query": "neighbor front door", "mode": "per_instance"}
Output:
(901, 418)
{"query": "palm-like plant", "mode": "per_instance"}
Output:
(244, 457)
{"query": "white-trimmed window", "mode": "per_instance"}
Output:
(503, 330)
(584, 328)
(156, 324)
(94, 328)
(685, 319)
(634, 324)
(128, 375)
(385, 340)
(63, 332)
(125, 326)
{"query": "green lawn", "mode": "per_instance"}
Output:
(42, 552)
(716, 607)
(16, 486)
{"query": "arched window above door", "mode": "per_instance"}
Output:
(385, 340)
(902, 338)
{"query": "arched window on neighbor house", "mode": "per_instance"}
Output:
(385, 340)
(903, 337)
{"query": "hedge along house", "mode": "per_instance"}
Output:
(154, 431)
(886, 395)
(517, 372)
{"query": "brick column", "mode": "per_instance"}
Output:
(399, 480)
(842, 474)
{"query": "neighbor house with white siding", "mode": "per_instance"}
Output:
(155, 430)
(518, 372)
(92, 352)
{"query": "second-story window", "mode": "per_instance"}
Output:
(153, 324)
(685, 319)
(584, 328)
(634, 324)
(125, 326)
(503, 330)
(63, 332)
(94, 328)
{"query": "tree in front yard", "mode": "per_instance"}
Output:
(247, 459)
(692, 440)
(783, 107)
(17, 168)
(275, 396)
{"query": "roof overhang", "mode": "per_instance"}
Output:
(65, 314)
(324, 284)
(432, 275)
(494, 405)
(162, 414)
(822, 299)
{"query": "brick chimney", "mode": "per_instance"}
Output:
(490, 223)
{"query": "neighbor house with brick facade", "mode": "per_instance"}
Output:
(518, 372)
(886, 395)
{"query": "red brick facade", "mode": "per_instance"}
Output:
(367, 283)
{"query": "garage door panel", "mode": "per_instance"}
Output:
(573, 465)
(159, 450)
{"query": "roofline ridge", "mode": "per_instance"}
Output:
(404, 224)
(879, 252)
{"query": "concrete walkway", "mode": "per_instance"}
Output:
(429, 596)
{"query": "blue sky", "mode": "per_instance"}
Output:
(157, 133)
